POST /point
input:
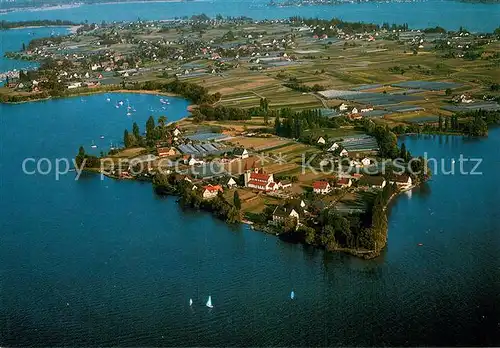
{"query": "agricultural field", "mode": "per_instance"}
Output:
(258, 143)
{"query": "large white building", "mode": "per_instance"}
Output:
(259, 180)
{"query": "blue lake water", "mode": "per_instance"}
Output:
(104, 262)
(12, 41)
(420, 14)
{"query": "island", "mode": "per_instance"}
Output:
(294, 124)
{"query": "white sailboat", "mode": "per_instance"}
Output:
(209, 302)
(93, 145)
(190, 302)
(292, 295)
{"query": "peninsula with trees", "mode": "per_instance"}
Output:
(291, 119)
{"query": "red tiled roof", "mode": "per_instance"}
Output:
(320, 185)
(256, 183)
(343, 181)
(259, 176)
(212, 188)
(163, 150)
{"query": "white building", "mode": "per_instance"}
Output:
(403, 181)
(241, 153)
(259, 180)
(343, 107)
(321, 187)
(366, 161)
(231, 183)
(210, 191)
(333, 147)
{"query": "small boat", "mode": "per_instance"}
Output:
(120, 102)
(163, 101)
(117, 106)
(94, 146)
(209, 302)
(292, 295)
(420, 244)
(108, 100)
(190, 301)
(129, 114)
(102, 137)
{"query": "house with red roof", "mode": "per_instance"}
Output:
(166, 151)
(403, 181)
(343, 182)
(211, 191)
(321, 187)
(260, 180)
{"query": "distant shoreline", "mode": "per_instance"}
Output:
(71, 28)
(39, 9)
(93, 92)
(76, 5)
(138, 2)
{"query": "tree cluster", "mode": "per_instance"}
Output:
(290, 124)
(89, 161)
(173, 184)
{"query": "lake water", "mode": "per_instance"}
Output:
(12, 41)
(419, 14)
(104, 262)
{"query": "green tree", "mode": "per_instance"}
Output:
(404, 153)
(448, 91)
(440, 123)
(150, 131)
(150, 125)
(135, 131)
(309, 235)
(236, 200)
(477, 127)
(162, 121)
(126, 139)
(277, 125)
(80, 157)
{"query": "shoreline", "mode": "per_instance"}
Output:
(359, 253)
(92, 92)
(71, 28)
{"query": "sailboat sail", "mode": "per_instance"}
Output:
(209, 302)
